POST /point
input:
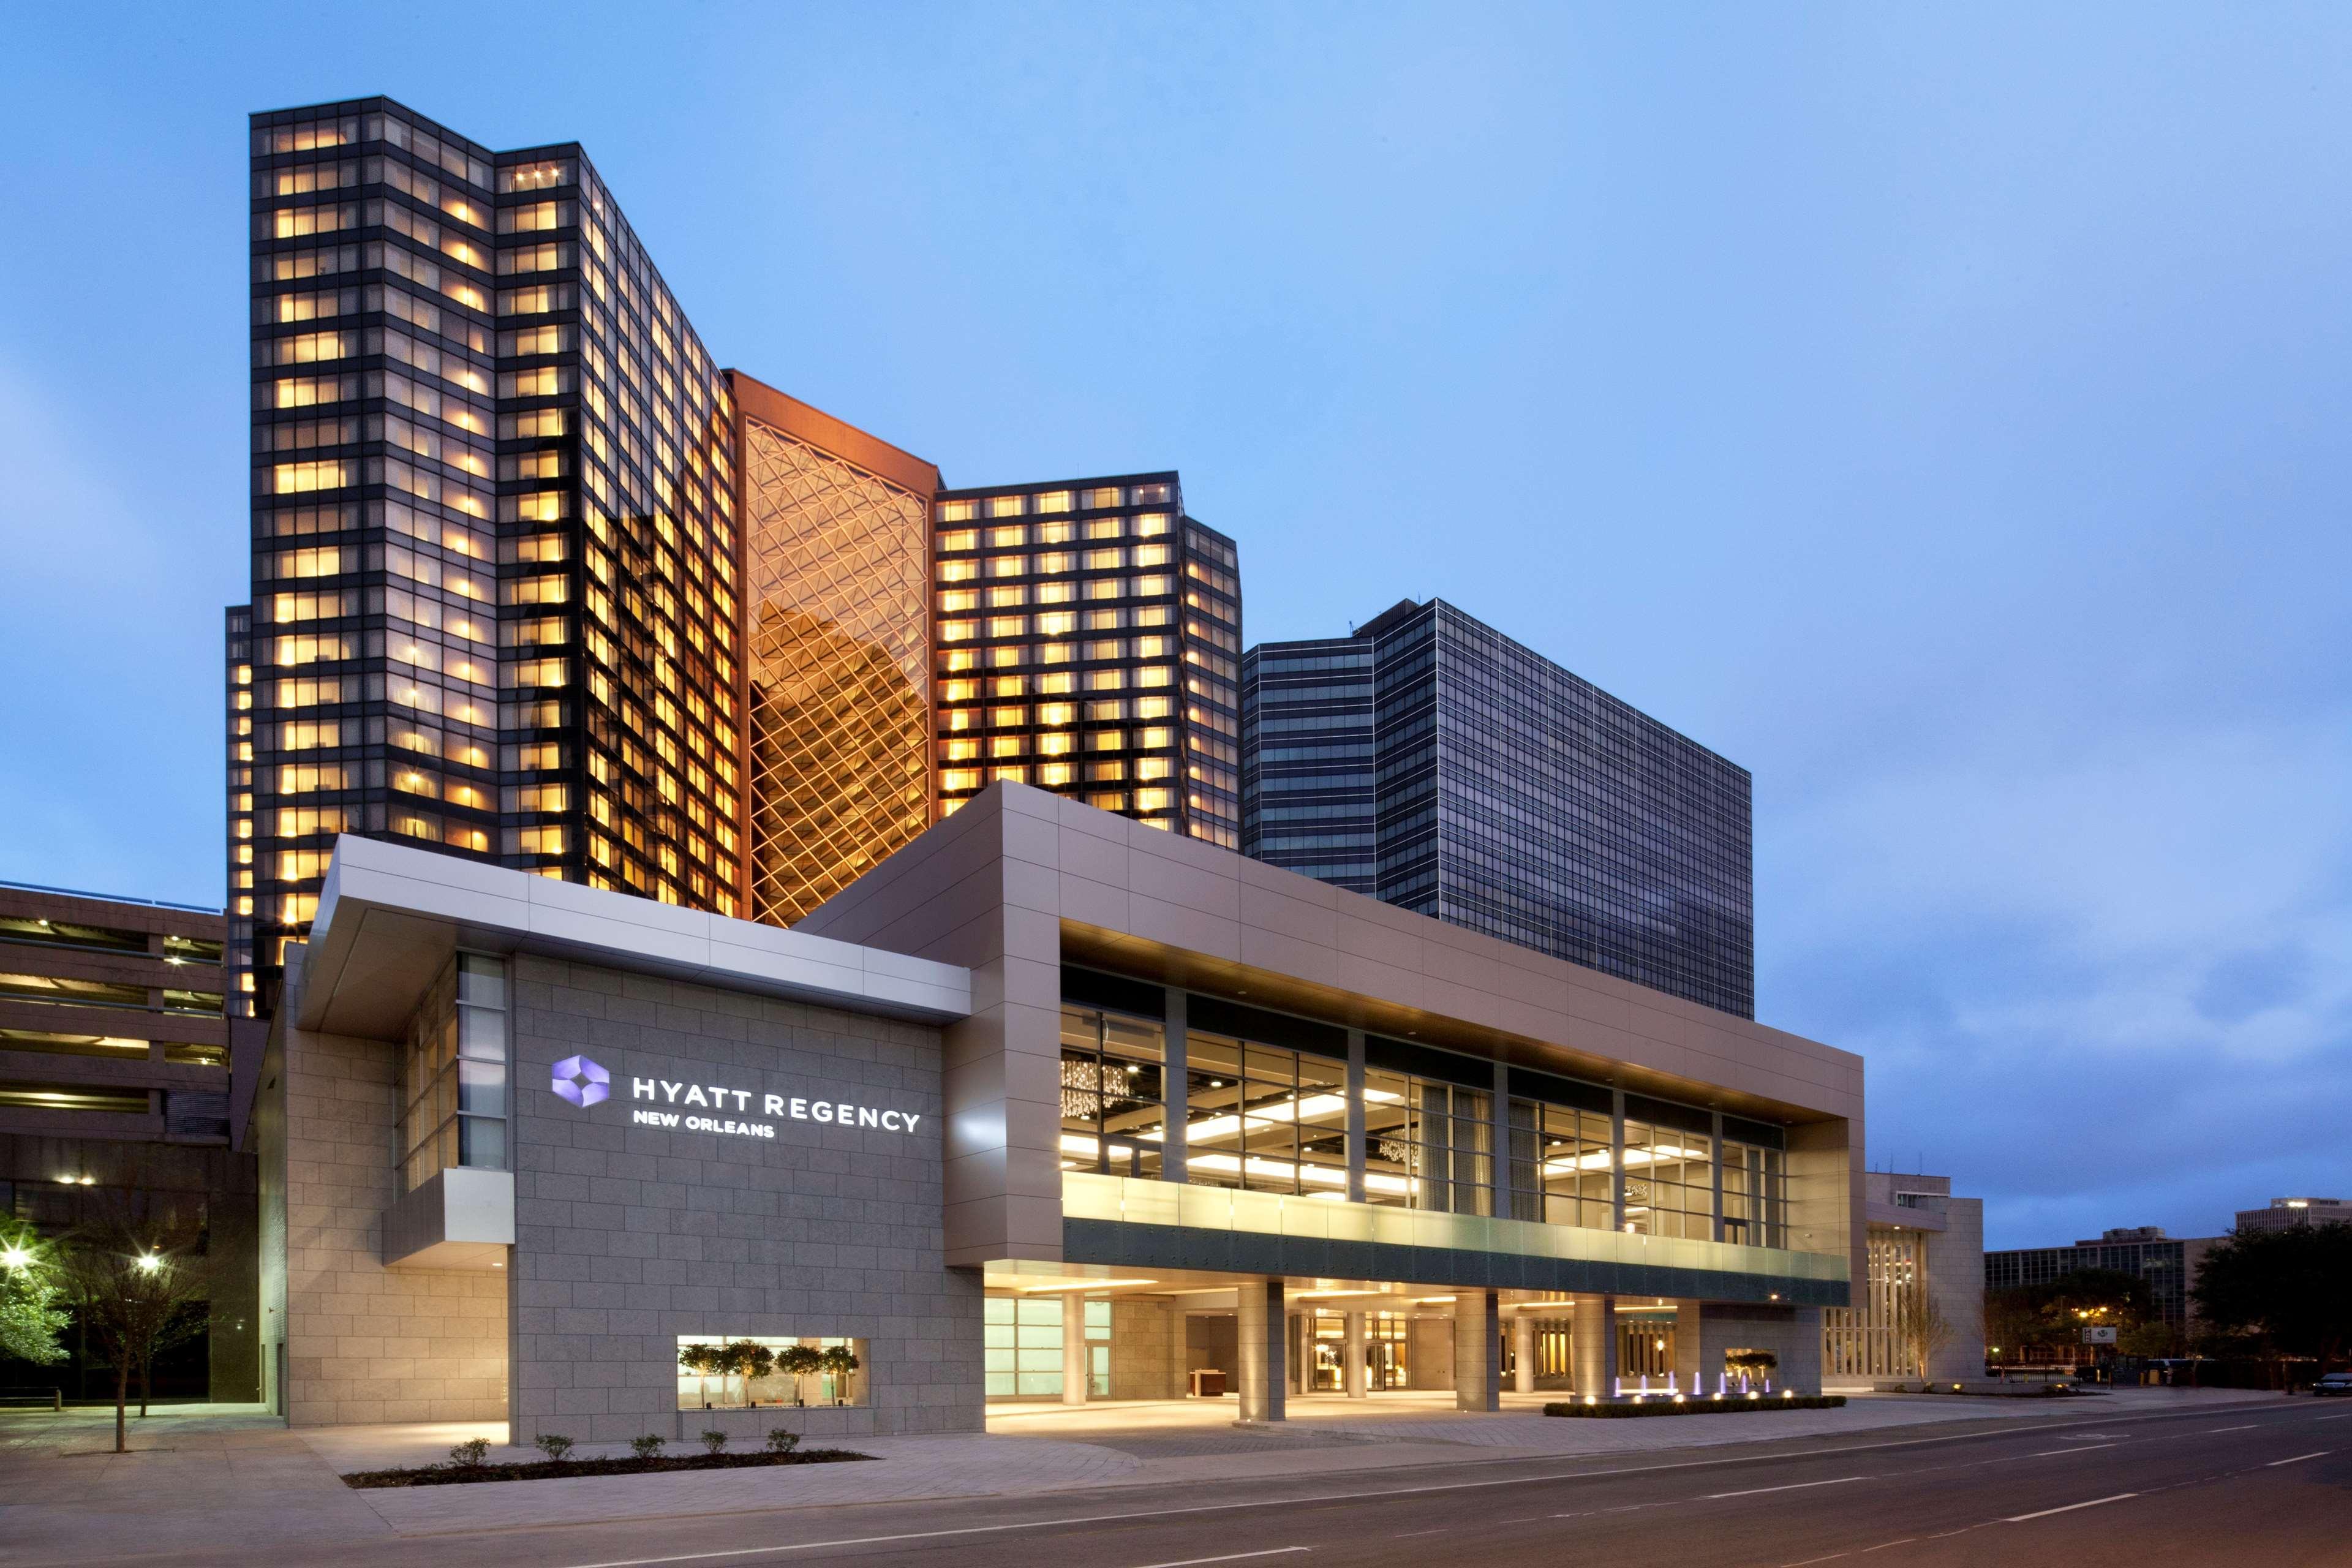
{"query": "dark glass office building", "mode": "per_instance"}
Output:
(1435, 764)
(1087, 634)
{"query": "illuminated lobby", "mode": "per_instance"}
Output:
(1217, 1128)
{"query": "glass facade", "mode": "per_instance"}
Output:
(1022, 1345)
(1088, 636)
(1273, 1103)
(837, 561)
(494, 548)
(454, 1072)
(1433, 762)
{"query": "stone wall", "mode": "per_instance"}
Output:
(368, 1344)
(1143, 1360)
(628, 1237)
(1792, 1333)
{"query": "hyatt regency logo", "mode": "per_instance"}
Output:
(582, 1082)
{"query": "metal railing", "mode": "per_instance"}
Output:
(111, 898)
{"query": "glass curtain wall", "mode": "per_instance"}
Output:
(454, 1074)
(1022, 1346)
(1267, 1117)
(1427, 1144)
(1755, 1195)
(1669, 1182)
(1114, 1113)
(1561, 1165)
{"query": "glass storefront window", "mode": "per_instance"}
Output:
(1264, 1117)
(1113, 1118)
(1020, 1339)
(733, 1371)
(1427, 1145)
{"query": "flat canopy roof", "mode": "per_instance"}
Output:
(390, 916)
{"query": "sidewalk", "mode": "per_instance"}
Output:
(235, 1477)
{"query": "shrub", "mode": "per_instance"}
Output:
(649, 1447)
(553, 1446)
(781, 1441)
(713, 1440)
(471, 1452)
(1608, 1410)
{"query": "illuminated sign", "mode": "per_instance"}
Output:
(701, 1107)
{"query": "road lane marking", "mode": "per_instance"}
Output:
(2046, 1453)
(1354, 1496)
(1885, 1544)
(2299, 1459)
(2345, 1416)
(2247, 1428)
(2046, 1513)
(1791, 1486)
(1229, 1557)
(1409, 1534)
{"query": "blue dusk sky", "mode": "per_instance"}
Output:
(1942, 412)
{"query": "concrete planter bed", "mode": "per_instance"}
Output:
(556, 1469)
(1614, 1409)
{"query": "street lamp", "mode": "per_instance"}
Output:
(14, 1257)
(148, 1263)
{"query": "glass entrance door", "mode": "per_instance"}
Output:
(1384, 1352)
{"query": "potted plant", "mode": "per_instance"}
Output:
(839, 1360)
(701, 1360)
(797, 1361)
(749, 1359)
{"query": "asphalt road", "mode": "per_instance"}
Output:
(2261, 1486)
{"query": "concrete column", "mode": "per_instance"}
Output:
(1359, 1377)
(1691, 1371)
(1477, 1382)
(1354, 1116)
(1499, 1166)
(1717, 1165)
(1616, 1174)
(1074, 1350)
(1264, 1383)
(1175, 1088)
(1523, 1352)
(1596, 1345)
(1180, 1357)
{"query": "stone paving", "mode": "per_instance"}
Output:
(234, 1476)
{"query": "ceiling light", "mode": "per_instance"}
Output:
(1068, 1285)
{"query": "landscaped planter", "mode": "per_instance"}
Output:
(557, 1469)
(1612, 1409)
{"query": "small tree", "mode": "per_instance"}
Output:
(128, 1276)
(839, 1360)
(30, 1319)
(1922, 1327)
(798, 1361)
(701, 1360)
(747, 1359)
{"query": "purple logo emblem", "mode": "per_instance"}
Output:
(582, 1082)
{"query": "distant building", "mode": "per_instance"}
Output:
(2285, 1214)
(120, 1070)
(1923, 1244)
(1438, 766)
(2168, 1264)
